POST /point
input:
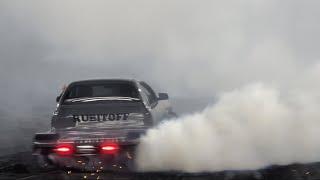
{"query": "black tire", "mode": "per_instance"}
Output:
(44, 163)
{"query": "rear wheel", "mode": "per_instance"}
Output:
(44, 163)
(127, 166)
(171, 115)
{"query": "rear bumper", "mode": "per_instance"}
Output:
(87, 145)
(87, 141)
(82, 150)
(86, 158)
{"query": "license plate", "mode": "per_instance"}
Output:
(101, 117)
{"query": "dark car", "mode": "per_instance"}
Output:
(98, 123)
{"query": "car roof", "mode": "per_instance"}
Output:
(89, 81)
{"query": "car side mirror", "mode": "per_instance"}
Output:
(163, 96)
(58, 98)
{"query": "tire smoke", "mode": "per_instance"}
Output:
(247, 129)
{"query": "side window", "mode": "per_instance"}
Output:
(149, 92)
(144, 96)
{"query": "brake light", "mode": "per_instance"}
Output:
(64, 149)
(109, 148)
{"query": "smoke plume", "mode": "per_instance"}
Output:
(248, 128)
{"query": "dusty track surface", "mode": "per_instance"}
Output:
(22, 166)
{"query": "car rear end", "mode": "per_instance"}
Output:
(89, 149)
(96, 126)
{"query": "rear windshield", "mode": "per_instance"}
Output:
(102, 90)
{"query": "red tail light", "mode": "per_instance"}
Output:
(64, 149)
(109, 148)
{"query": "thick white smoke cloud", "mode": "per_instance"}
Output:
(231, 42)
(248, 128)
